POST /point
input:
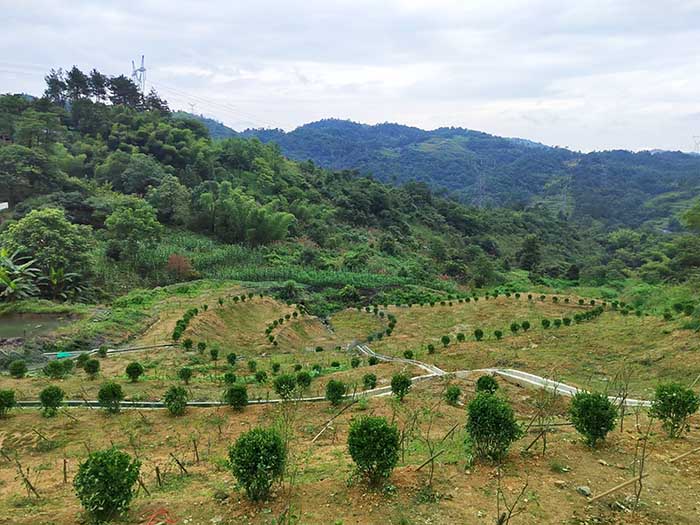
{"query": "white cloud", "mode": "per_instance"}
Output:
(589, 75)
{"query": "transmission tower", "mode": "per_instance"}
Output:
(138, 75)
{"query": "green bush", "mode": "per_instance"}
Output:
(201, 347)
(525, 325)
(335, 364)
(546, 323)
(51, 399)
(55, 369)
(102, 351)
(134, 371)
(261, 376)
(369, 381)
(400, 385)
(355, 362)
(285, 385)
(104, 483)
(373, 360)
(92, 368)
(252, 366)
(7, 402)
(452, 395)
(593, 415)
(408, 354)
(303, 380)
(514, 327)
(231, 359)
(673, 405)
(82, 358)
(460, 337)
(491, 425)
(486, 383)
(498, 334)
(445, 340)
(276, 368)
(229, 378)
(335, 390)
(374, 447)
(187, 344)
(110, 396)
(257, 460)
(478, 334)
(175, 400)
(185, 374)
(431, 348)
(236, 396)
(214, 353)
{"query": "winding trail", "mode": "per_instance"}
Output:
(517, 377)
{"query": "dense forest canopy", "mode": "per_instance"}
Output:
(613, 188)
(108, 189)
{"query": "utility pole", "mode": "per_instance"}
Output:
(138, 75)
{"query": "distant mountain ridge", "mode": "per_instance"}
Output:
(615, 188)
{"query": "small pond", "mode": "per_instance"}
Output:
(28, 325)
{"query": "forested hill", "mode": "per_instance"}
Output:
(616, 188)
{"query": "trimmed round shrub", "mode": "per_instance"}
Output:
(231, 359)
(373, 360)
(110, 396)
(445, 340)
(486, 384)
(335, 390)
(92, 368)
(55, 369)
(408, 354)
(82, 359)
(102, 351)
(431, 348)
(201, 347)
(566, 321)
(546, 323)
(369, 381)
(252, 366)
(319, 349)
(478, 334)
(491, 425)
(452, 395)
(229, 378)
(335, 364)
(185, 374)
(355, 362)
(525, 325)
(297, 367)
(276, 368)
(593, 416)
(557, 323)
(514, 327)
(257, 460)
(236, 396)
(374, 447)
(187, 344)
(303, 380)
(285, 385)
(673, 405)
(400, 385)
(7, 402)
(105, 483)
(175, 400)
(261, 376)
(134, 371)
(498, 334)
(461, 337)
(51, 399)
(214, 353)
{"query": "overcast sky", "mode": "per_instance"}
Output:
(585, 75)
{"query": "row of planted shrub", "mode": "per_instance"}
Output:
(515, 327)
